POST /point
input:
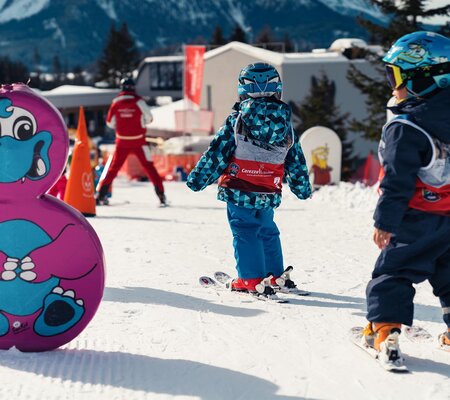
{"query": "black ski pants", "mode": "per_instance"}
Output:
(419, 251)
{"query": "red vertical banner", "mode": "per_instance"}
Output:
(193, 72)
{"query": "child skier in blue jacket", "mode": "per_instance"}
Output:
(250, 155)
(412, 218)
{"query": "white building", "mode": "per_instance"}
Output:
(96, 102)
(222, 67)
(160, 76)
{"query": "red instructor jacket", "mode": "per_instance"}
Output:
(129, 115)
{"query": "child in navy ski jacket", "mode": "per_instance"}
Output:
(412, 218)
(250, 155)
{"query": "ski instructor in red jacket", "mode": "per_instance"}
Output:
(129, 116)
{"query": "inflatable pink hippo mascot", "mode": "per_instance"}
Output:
(51, 260)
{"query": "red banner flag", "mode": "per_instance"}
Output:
(193, 72)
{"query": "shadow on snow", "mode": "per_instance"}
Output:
(422, 312)
(172, 299)
(143, 373)
(427, 365)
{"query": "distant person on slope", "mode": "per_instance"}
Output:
(412, 217)
(129, 115)
(250, 154)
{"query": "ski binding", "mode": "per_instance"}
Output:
(223, 281)
(397, 365)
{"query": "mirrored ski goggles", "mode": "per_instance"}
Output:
(423, 75)
(394, 76)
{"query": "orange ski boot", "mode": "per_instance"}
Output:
(444, 340)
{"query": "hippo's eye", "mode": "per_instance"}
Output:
(23, 128)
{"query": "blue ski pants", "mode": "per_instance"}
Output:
(419, 251)
(256, 242)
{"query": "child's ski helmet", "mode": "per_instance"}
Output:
(259, 80)
(419, 61)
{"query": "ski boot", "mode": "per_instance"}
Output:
(261, 289)
(444, 340)
(254, 286)
(162, 198)
(383, 337)
(102, 196)
(243, 285)
(368, 337)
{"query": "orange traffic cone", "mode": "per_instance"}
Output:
(80, 186)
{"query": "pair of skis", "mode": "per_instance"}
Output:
(412, 333)
(222, 280)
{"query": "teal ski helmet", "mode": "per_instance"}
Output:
(420, 62)
(259, 80)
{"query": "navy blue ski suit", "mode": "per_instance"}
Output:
(420, 246)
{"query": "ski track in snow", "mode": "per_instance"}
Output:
(159, 335)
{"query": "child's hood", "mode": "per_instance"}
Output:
(266, 119)
(433, 115)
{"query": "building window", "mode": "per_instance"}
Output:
(165, 75)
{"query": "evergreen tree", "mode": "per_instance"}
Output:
(404, 18)
(119, 57)
(288, 45)
(36, 59)
(36, 76)
(319, 109)
(57, 67)
(266, 38)
(238, 35)
(218, 38)
(198, 40)
(57, 70)
(78, 78)
(11, 71)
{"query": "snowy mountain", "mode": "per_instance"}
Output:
(35, 31)
(354, 7)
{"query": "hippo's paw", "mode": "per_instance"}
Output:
(11, 269)
(61, 312)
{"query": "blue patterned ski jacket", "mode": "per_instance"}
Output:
(266, 120)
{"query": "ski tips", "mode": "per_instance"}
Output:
(222, 277)
(206, 281)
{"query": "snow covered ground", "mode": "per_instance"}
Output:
(159, 335)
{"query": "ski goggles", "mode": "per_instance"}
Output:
(394, 76)
(397, 78)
